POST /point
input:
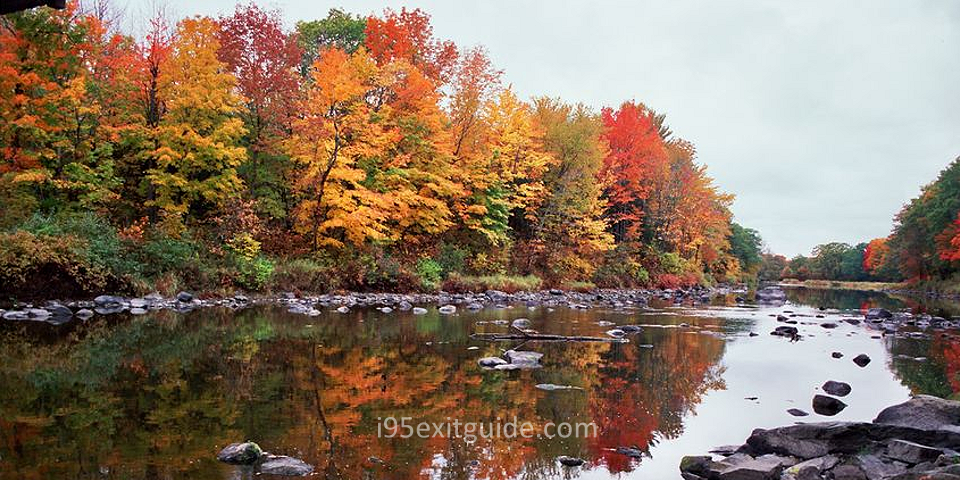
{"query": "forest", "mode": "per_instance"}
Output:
(923, 248)
(352, 152)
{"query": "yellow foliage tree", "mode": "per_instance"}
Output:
(197, 140)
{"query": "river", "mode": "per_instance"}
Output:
(156, 396)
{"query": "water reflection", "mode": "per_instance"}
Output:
(155, 397)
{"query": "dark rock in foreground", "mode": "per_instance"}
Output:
(861, 360)
(915, 440)
(283, 465)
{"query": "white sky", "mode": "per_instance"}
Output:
(823, 117)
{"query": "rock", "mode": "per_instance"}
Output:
(107, 301)
(419, 311)
(811, 469)
(524, 359)
(551, 387)
(839, 389)
(796, 412)
(924, 412)
(616, 333)
(138, 303)
(343, 309)
(385, 309)
(875, 313)
(84, 313)
(520, 323)
(570, 461)
(16, 315)
(836, 355)
(827, 406)
(785, 331)
(184, 297)
(726, 450)
(138, 311)
(631, 328)
(37, 313)
(491, 362)
(246, 453)
(828, 325)
(911, 452)
(447, 309)
(404, 305)
(782, 318)
(153, 297)
(848, 472)
(766, 467)
(875, 467)
(60, 311)
(699, 465)
(631, 452)
(474, 306)
(771, 295)
(283, 465)
(861, 360)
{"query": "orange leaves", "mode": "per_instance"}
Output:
(408, 36)
(949, 242)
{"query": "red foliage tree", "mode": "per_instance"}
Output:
(408, 35)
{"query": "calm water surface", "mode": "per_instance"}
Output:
(157, 396)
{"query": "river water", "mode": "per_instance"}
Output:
(156, 396)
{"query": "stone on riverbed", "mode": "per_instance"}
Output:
(447, 309)
(246, 453)
(570, 461)
(491, 362)
(184, 297)
(878, 313)
(524, 359)
(419, 310)
(284, 465)
(785, 331)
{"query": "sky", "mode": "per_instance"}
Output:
(822, 117)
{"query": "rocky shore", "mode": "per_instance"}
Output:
(58, 312)
(916, 440)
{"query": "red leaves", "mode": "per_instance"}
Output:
(408, 36)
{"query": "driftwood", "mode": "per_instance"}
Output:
(523, 335)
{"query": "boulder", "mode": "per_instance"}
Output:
(59, 311)
(343, 309)
(912, 453)
(107, 301)
(283, 465)
(836, 355)
(765, 467)
(520, 323)
(404, 305)
(839, 389)
(812, 469)
(474, 306)
(861, 360)
(246, 453)
(827, 406)
(877, 313)
(924, 412)
(524, 359)
(447, 309)
(785, 331)
(84, 313)
(631, 452)
(184, 297)
(419, 311)
(796, 412)
(491, 362)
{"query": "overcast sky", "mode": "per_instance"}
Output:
(823, 117)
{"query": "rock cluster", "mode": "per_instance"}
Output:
(250, 454)
(915, 440)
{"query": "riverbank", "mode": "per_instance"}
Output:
(62, 311)
(926, 289)
(914, 440)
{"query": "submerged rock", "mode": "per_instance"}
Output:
(284, 465)
(245, 453)
(419, 310)
(524, 359)
(491, 362)
(447, 309)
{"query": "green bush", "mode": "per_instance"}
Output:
(254, 273)
(451, 258)
(40, 265)
(302, 274)
(430, 273)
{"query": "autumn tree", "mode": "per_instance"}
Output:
(334, 135)
(264, 59)
(408, 35)
(636, 159)
(197, 139)
(569, 231)
(339, 29)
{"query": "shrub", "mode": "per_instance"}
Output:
(451, 259)
(302, 274)
(254, 273)
(36, 266)
(430, 273)
(510, 284)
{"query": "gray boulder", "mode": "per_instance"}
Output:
(524, 359)
(877, 313)
(491, 362)
(827, 406)
(245, 453)
(924, 412)
(185, 297)
(283, 465)
(839, 389)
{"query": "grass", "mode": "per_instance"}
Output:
(506, 283)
